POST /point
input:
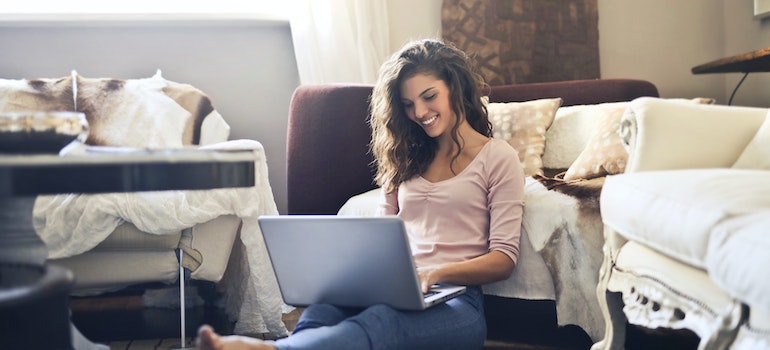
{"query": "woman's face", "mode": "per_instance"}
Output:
(426, 102)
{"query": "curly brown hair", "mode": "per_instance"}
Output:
(400, 147)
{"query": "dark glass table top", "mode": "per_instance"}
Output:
(105, 169)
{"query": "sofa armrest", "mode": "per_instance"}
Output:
(664, 134)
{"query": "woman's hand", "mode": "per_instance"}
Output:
(429, 276)
(491, 267)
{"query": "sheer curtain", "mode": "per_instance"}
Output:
(339, 40)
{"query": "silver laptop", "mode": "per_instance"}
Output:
(346, 261)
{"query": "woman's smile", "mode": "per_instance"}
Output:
(429, 121)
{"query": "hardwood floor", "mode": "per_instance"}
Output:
(149, 344)
(121, 321)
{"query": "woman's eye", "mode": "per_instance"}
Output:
(429, 97)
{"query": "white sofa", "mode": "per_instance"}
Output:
(687, 226)
(114, 240)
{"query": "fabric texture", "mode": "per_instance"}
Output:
(456, 324)
(737, 257)
(569, 134)
(523, 125)
(488, 218)
(340, 40)
(676, 211)
(649, 120)
(605, 153)
(757, 153)
(113, 106)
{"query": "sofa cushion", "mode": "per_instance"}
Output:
(149, 112)
(523, 126)
(571, 129)
(738, 258)
(676, 211)
(605, 153)
(681, 279)
(757, 154)
(128, 237)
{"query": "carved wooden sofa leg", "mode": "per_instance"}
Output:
(627, 293)
(726, 330)
(611, 304)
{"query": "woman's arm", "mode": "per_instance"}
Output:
(490, 267)
(388, 204)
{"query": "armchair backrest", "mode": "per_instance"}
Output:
(667, 135)
(151, 112)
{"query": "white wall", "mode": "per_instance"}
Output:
(746, 34)
(661, 40)
(412, 20)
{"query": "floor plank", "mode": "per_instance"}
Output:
(118, 345)
(175, 343)
(144, 344)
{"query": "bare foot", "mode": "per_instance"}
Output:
(210, 340)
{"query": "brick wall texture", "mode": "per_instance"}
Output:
(525, 41)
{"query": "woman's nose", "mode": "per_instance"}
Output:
(420, 109)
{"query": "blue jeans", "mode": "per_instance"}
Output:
(456, 324)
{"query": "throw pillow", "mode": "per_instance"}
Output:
(757, 154)
(569, 134)
(523, 126)
(605, 153)
(120, 112)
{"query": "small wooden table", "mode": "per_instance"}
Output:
(30, 289)
(750, 62)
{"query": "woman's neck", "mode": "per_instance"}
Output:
(466, 136)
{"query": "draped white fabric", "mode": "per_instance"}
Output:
(339, 40)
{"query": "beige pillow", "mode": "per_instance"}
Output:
(569, 134)
(604, 153)
(757, 154)
(523, 126)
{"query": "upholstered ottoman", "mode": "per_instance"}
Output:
(697, 254)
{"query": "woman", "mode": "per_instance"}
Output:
(459, 192)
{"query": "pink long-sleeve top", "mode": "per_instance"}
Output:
(477, 211)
